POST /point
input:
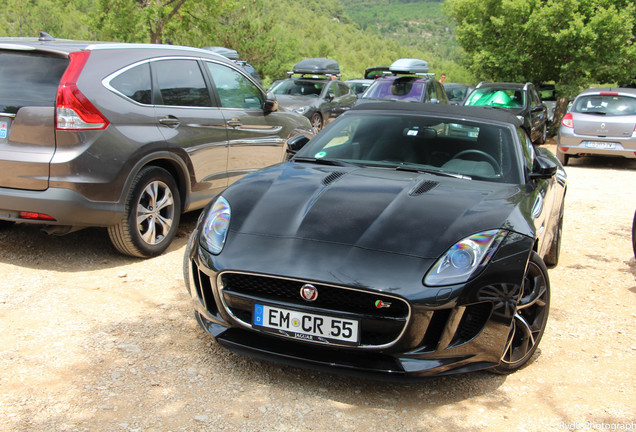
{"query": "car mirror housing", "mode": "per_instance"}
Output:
(543, 168)
(296, 143)
(271, 104)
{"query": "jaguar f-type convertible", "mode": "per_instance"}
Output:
(404, 240)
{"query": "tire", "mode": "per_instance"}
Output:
(551, 258)
(562, 157)
(316, 122)
(531, 316)
(151, 219)
(6, 224)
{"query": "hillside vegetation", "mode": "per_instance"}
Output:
(272, 34)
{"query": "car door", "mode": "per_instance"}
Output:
(346, 98)
(256, 138)
(542, 195)
(190, 121)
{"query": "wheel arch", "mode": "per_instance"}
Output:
(169, 161)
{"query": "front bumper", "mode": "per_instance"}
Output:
(444, 330)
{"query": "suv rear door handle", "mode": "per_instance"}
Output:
(170, 121)
(234, 122)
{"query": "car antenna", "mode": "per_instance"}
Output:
(44, 36)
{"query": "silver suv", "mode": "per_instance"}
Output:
(127, 136)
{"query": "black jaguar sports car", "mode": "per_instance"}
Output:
(404, 240)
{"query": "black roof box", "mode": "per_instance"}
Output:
(318, 66)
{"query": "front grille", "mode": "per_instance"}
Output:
(378, 326)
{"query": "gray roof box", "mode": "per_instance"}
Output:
(409, 66)
(225, 52)
(318, 66)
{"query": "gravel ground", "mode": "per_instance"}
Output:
(95, 341)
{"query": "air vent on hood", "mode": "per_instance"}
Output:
(332, 177)
(423, 187)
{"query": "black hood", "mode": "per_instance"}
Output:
(406, 213)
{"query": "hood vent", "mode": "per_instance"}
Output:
(423, 187)
(332, 177)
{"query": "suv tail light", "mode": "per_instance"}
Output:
(73, 110)
(568, 121)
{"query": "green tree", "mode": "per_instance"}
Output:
(157, 21)
(60, 18)
(573, 43)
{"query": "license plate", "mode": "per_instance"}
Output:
(600, 145)
(306, 326)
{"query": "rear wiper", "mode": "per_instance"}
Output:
(432, 171)
(322, 161)
(596, 112)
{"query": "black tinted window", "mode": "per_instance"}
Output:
(181, 83)
(28, 79)
(134, 83)
(234, 89)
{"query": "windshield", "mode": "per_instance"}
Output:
(403, 88)
(497, 97)
(607, 104)
(431, 144)
(298, 87)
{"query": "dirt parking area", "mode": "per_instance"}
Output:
(95, 341)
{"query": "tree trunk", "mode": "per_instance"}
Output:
(560, 110)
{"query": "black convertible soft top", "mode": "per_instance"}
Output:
(473, 112)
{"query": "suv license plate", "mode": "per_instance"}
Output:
(600, 145)
(306, 326)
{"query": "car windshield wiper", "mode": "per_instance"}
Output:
(431, 171)
(322, 161)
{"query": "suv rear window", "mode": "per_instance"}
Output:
(611, 105)
(29, 79)
(402, 88)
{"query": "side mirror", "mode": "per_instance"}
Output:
(543, 168)
(331, 96)
(296, 143)
(271, 104)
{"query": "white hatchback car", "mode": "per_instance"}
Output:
(601, 122)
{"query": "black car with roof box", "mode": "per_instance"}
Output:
(313, 89)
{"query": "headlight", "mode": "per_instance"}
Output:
(462, 260)
(215, 226)
(302, 110)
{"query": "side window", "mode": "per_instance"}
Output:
(181, 83)
(333, 89)
(134, 83)
(430, 92)
(234, 89)
(344, 89)
(536, 100)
